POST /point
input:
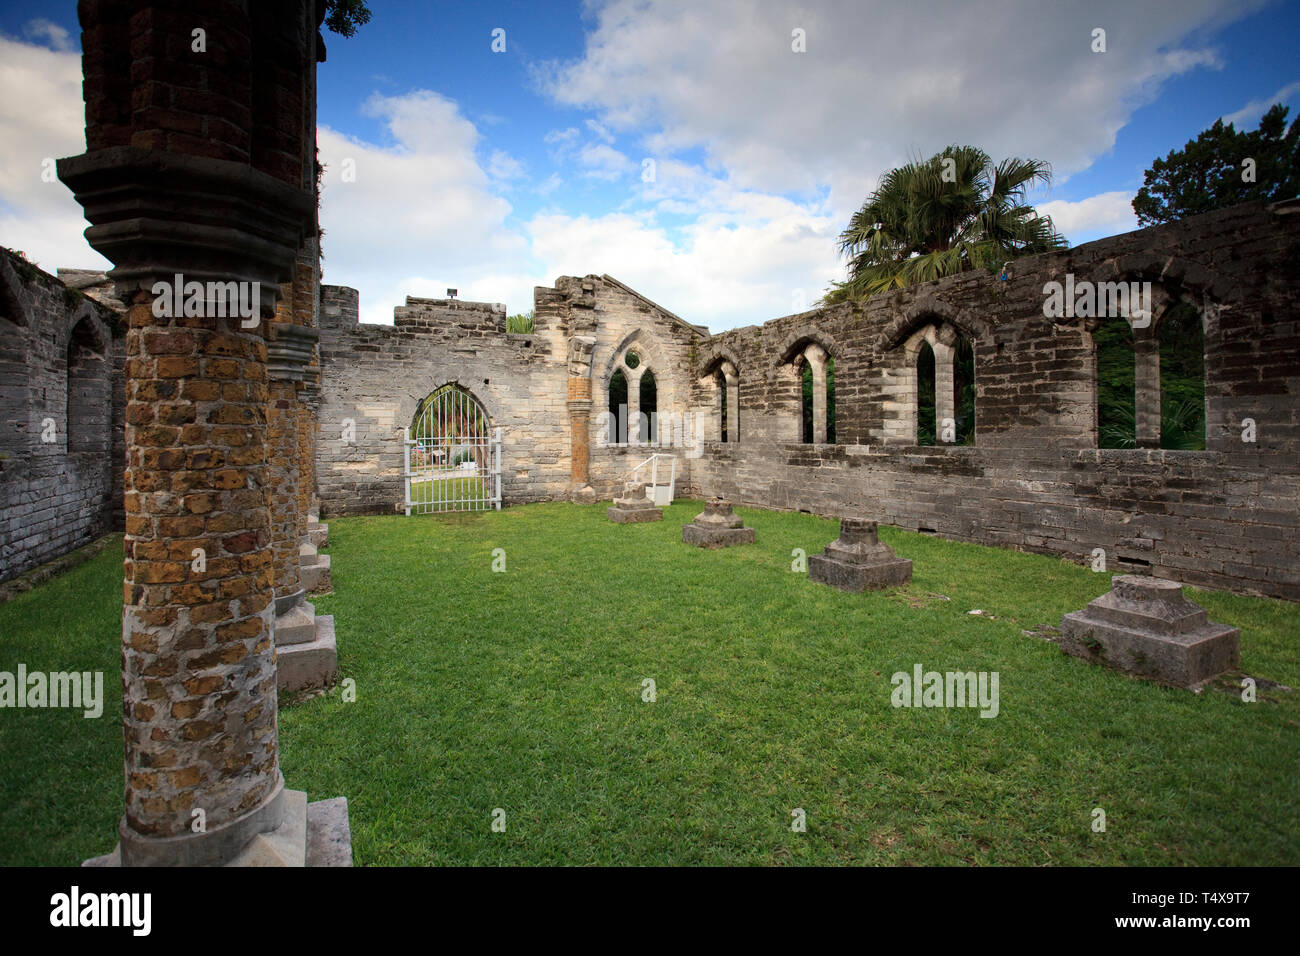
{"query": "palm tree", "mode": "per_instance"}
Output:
(952, 212)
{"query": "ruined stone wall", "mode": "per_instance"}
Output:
(61, 378)
(373, 376)
(1034, 479)
(619, 319)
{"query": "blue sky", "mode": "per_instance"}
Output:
(494, 172)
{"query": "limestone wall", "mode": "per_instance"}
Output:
(61, 379)
(1035, 479)
(373, 376)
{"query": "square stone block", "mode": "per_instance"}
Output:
(1145, 627)
(634, 515)
(859, 577)
(716, 537)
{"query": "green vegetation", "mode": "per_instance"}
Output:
(521, 323)
(1221, 168)
(523, 690)
(942, 216)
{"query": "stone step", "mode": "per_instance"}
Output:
(316, 575)
(312, 664)
(329, 835)
(286, 845)
(296, 625)
(318, 535)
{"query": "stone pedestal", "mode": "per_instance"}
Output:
(1144, 626)
(635, 506)
(858, 561)
(717, 526)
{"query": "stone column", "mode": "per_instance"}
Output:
(732, 384)
(634, 407)
(198, 185)
(1146, 387)
(198, 659)
(579, 406)
(816, 357)
(945, 401)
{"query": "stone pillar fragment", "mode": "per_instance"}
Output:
(717, 526)
(816, 357)
(1145, 626)
(858, 560)
(635, 506)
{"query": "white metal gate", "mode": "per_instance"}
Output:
(452, 455)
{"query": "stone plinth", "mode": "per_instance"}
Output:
(1145, 627)
(858, 561)
(717, 526)
(635, 506)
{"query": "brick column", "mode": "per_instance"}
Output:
(198, 658)
(198, 182)
(579, 405)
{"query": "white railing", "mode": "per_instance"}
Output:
(662, 493)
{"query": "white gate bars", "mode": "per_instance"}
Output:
(452, 455)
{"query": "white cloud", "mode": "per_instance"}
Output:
(54, 36)
(503, 166)
(1106, 214)
(604, 162)
(421, 213)
(1248, 117)
(879, 81)
(41, 119)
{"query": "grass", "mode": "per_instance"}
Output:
(442, 492)
(523, 691)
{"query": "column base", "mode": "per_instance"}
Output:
(309, 834)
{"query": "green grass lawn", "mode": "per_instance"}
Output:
(453, 492)
(522, 690)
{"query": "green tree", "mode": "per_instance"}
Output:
(952, 212)
(520, 322)
(344, 16)
(1223, 167)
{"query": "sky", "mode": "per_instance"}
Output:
(688, 149)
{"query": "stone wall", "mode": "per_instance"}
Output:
(61, 413)
(1034, 479)
(374, 376)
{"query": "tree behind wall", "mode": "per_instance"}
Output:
(1223, 167)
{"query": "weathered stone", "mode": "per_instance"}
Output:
(858, 561)
(717, 526)
(1146, 627)
(635, 506)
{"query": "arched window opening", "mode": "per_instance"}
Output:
(88, 398)
(925, 396)
(1116, 402)
(618, 408)
(1182, 379)
(648, 427)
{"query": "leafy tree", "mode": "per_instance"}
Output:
(952, 212)
(806, 382)
(521, 322)
(1212, 171)
(344, 16)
